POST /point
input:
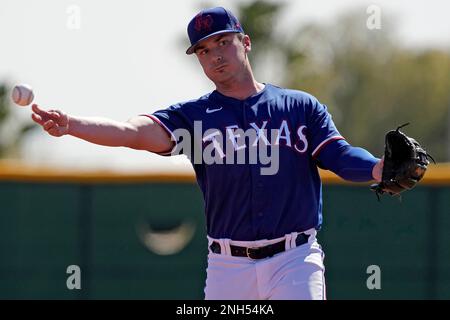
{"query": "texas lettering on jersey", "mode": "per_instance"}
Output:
(236, 146)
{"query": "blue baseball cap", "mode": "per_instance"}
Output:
(210, 22)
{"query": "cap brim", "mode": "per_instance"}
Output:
(191, 49)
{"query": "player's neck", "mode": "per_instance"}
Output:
(240, 89)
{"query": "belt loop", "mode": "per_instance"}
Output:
(225, 243)
(294, 236)
(210, 240)
(312, 234)
(287, 242)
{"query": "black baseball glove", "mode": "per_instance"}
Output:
(405, 163)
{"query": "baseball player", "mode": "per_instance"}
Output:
(261, 228)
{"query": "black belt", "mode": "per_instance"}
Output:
(260, 252)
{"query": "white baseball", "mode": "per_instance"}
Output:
(22, 94)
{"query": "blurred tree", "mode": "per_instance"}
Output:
(11, 133)
(258, 19)
(368, 81)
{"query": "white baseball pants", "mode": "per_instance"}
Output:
(295, 274)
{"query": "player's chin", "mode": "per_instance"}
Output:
(220, 76)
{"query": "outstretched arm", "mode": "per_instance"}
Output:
(141, 133)
(350, 163)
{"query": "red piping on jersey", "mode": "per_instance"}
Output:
(324, 143)
(164, 153)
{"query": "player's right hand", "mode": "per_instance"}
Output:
(55, 122)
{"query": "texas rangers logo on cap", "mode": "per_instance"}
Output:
(203, 23)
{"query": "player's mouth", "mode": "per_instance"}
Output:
(220, 68)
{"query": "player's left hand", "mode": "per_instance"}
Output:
(377, 170)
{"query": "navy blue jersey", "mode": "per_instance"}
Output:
(240, 202)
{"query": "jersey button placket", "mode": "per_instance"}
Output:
(255, 174)
(260, 195)
(258, 191)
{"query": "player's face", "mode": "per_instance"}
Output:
(223, 57)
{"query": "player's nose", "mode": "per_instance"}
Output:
(217, 61)
(217, 58)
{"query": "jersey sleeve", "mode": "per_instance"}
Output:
(170, 120)
(350, 163)
(321, 127)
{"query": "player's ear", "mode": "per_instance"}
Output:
(247, 43)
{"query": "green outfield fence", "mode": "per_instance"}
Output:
(143, 237)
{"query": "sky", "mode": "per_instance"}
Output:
(118, 59)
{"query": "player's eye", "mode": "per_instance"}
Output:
(223, 42)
